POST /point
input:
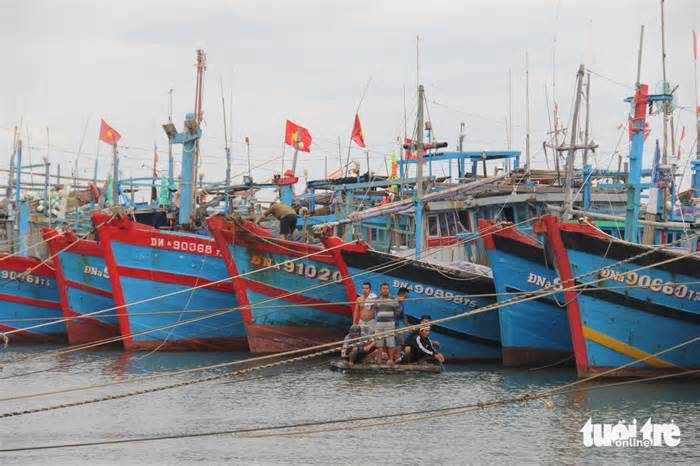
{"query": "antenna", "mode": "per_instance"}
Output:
(227, 148)
(639, 56)
(666, 106)
(697, 102)
(417, 61)
(510, 109)
(527, 114)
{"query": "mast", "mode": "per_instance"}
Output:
(588, 118)
(571, 156)
(170, 142)
(527, 114)
(18, 192)
(201, 67)
(227, 147)
(189, 139)
(696, 162)
(115, 168)
(666, 106)
(420, 230)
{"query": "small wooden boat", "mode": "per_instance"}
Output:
(341, 365)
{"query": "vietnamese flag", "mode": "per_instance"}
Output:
(357, 135)
(294, 131)
(108, 134)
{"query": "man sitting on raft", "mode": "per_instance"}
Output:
(421, 348)
(357, 351)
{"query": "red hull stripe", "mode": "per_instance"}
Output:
(87, 288)
(561, 256)
(85, 319)
(32, 302)
(296, 298)
(22, 264)
(193, 344)
(177, 279)
(57, 337)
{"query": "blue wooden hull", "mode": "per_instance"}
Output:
(471, 338)
(27, 300)
(172, 289)
(293, 305)
(84, 288)
(633, 316)
(535, 332)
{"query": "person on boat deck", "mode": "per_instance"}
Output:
(287, 216)
(401, 297)
(422, 349)
(386, 309)
(424, 319)
(362, 313)
(355, 352)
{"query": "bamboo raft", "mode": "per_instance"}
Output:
(341, 365)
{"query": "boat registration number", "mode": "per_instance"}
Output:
(185, 246)
(657, 285)
(96, 271)
(436, 293)
(26, 278)
(302, 269)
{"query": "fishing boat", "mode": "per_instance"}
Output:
(296, 295)
(533, 332)
(631, 311)
(439, 291)
(29, 297)
(84, 287)
(293, 295)
(172, 289)
(636, 310)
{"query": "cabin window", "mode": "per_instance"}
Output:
(432, 225)
(444, 228)
(464, 219)
(453, 223)
(508, 215)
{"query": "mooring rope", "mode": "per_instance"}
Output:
(269, 431)
(321, 350)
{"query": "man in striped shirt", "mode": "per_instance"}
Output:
(386, 310)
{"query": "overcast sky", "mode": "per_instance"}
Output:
(67, 62)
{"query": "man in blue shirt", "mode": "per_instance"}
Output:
(401, 296)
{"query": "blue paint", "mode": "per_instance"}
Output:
(188, 140)
(587, 187)
(643, 330)
(535, 324)
(46, 289)
(90, 271)
(307, 284)
(140, 317)
(463, 337)
(22, 227)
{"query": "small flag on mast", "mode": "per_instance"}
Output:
(680, 142)
(108, 134)
(357, 135)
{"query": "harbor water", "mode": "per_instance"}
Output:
(535, 431)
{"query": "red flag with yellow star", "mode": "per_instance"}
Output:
(294, 133)
(108, 134)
